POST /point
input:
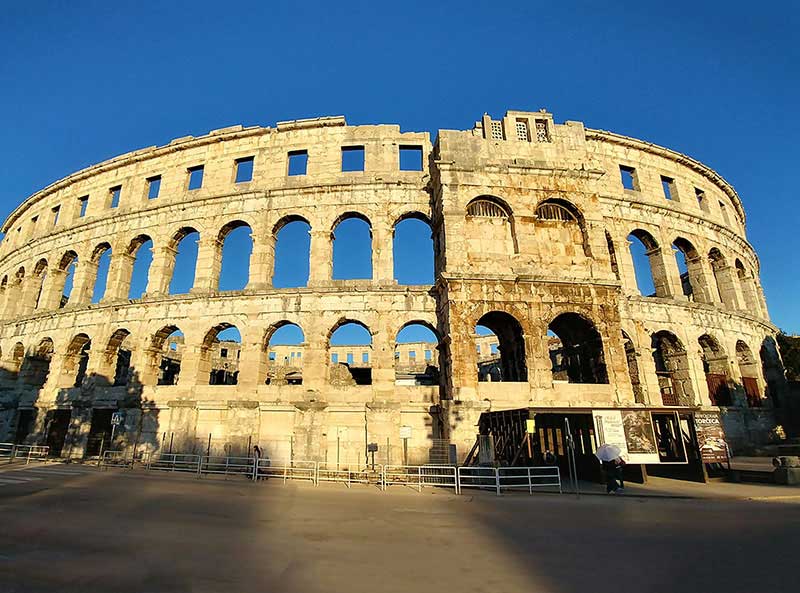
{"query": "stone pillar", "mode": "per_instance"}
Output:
(382, 254)
(382, 359)
(626, 270)
(83, 284)
(750, 296)
(52, 290)
(672, 273)
(698, 277)
(321, 258)
(251, 360)
(119, 276)
(28, 294)
(161, 271)
(208, 266)
(658, 269)
(728, 285)
(262, 261)
(194, 371)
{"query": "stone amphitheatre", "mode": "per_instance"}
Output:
(533, 224)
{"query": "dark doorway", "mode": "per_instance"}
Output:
(57, 423)
(99, 432)
(25, 423)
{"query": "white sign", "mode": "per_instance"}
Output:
(405, 432)
(609, 430)
(117, 418)
(630, 430)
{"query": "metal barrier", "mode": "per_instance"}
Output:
(12, 451)
(420, 475)
(293, 469)
(509, 478)
(347, 474)
(116, 459)
(174, 462)
(210, 464)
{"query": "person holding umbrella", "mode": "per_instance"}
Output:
(610, 456)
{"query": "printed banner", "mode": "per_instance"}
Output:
(609, 430)
(639, 436)
(711, 437)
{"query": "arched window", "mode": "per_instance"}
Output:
(237, 247)
(68, 264)
(350, 354)
(77, 359)
(722, 280)
(101, 261)
(413, 251)
(748, 369)
(220, 355)
(40, 276)
(36, 366)
(490, 228)
(352, 247)
(285, 348)
(500, 347)
(167, 350)
(416, 360)
(672, 370)
(118, 358)
(184, 265)
(555, 211)
(292, 236)
(141, 249)
(486, 208)
(715, 367)
(646, 261)
(576, 350)
(747, 285)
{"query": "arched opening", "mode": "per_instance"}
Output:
(645, 254)
(77, 359)
(11, 367)
(500, 346)
(101, 262)
(490, 227)
(350, 354)
(4, 294)
(292, 236)
(118, 357)
(416, 355)
(184, 265)
(285, 345)
(352, 247)
(16, 305)
(17, 357)
(719, 268)
(632, 358)
(220, 354)
(141, 250)
(67, 265)
(773, 370)
(748, 369)
(748, 287)
(40, 276)
(412, 246)
(35, 367)
(559, 222)
(672, 370)
(576, 350)
(166, 351)
(715, 367)
(689, 268)
(237, 247)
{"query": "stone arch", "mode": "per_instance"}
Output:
(137, 263)
(748, 371)
(413, 249)
(416, 359)
(184, 249)
(490, 223)
(576, 350)
(284, 359)
(35, 367)
(747, 285)
(352, 370)
(566, 220)
(100, 262)
(690, 269)
(76, 360)
(353, 247)
(117, 358)
(165, 355)
(649, 269)
(218, 358)
(66, 278)
(632, 360)
(508, 363)
(39, 278)
(291, 240)
(672, 369)
(234, 248)
(716, 370)
(722, 279)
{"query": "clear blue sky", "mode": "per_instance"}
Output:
(85, 81)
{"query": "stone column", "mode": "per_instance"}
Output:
(626, 269)
(658, 269)
(672, 273)
(119, 276)
(83, 284)
(194, 371)
(321, 258)
(698, 277)
(52, 289)
(262, 261)
(728, 285)
(382, 254)
(208, 267)
(161, 271)
(382, 359)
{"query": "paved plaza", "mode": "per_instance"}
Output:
(72, 528)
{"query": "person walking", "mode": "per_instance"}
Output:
(613, 471)
(256, 459)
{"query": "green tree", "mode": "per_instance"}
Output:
(790, 353)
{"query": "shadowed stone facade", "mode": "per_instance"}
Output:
(531, 223)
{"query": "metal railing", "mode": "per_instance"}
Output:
(497, 479)
(12, 451)
(420, 475)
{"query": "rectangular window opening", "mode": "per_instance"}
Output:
(542, 133)
(411, 158)
(115, 192)
(349, 358)
(335, 358)
(668, 185)
(365, 357)
(428, 355)
(244, 169)
(523, 133)
(701, 199)
(298, 162)
(628, 176)
(497, 130)
(153, 187)
(272, 356)
(223, 353)
(352, 158)
(83, 204)
(196, 177)
(412, 355)
(56, 212)
(724, 212)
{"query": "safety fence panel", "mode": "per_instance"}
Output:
(514, 478)
(419, 476)
(484, 478)
(116, 459)
(174, 462)
(348, 474)
(287, 469)
(12, 451)
(210, 464)
(6, 450)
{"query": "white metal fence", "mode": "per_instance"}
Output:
(497, 479)
(12, 451)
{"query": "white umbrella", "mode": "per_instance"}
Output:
(607, 452)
